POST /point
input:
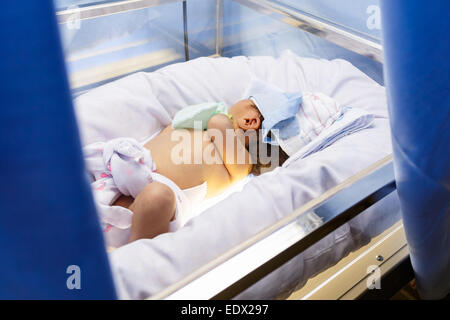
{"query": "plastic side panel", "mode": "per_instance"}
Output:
(417, 50)
(48, 220)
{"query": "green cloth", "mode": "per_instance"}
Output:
(186, 117)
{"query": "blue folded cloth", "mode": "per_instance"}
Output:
(278, 108)
(279, 111)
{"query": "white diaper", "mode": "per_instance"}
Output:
(124, 166)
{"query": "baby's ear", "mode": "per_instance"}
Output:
(252, 123)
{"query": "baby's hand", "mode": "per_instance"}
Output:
(231, 146)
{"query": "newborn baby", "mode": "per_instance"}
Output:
(146, 190)
(141, 193)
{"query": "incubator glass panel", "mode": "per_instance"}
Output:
(268, 28)
(361, 17)
(105, 40)
(107, 47)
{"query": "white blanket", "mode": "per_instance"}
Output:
(142, 103)
(352, 121)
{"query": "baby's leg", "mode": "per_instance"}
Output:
(153, 209)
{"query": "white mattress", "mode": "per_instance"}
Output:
(141, 104)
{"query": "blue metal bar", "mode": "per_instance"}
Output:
(48, 219)
(417, 51)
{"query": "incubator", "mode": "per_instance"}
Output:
(328, 223)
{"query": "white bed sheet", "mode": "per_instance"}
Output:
(142, 103)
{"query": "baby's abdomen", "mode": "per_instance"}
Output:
(186, 157)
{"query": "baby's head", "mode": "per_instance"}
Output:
(245, 115)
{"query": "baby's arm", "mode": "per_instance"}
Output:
(230, 146)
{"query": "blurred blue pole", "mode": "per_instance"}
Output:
(48, 220)
(417, 74)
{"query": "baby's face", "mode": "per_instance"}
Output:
(245, 115)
